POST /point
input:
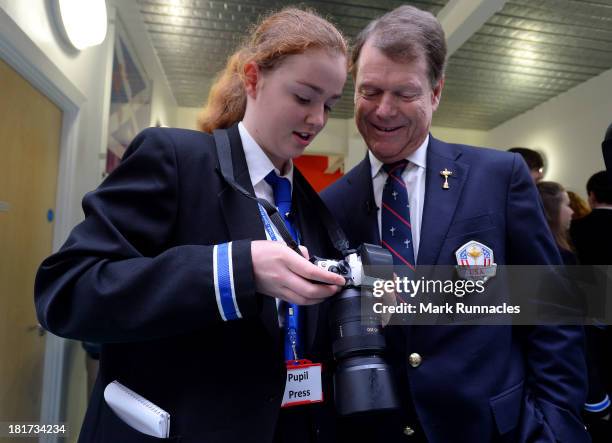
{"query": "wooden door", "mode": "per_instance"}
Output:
(30, 129)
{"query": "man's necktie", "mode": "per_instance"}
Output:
(289, 311)
(396, 230)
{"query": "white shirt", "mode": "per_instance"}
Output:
(260, 165)
(414, 178)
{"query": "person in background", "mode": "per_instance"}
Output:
(579, 205)
(592, 235)
(534, 161)
(175, 272)
(592, 238)
(558, 214)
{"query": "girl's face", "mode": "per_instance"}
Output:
(565, 212)
(290, 104)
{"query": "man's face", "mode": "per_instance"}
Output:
(394, 103)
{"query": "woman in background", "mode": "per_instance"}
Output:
(559, 217)
(579, 205)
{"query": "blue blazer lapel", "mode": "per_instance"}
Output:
(440, 204)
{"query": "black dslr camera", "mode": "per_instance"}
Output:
(363, 381)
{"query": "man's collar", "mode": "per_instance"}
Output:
(258, 162)
(418, 157)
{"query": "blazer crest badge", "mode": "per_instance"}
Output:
(475, 261)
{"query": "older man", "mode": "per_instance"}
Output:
(425, 200)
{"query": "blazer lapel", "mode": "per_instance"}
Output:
(241, 213)
(243, 220)
(440, 204)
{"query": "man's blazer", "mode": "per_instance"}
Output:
(592, 237)
(138, 276)
(476, 383)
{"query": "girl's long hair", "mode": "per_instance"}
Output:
(279, 35)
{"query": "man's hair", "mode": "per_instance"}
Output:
(533, 158)
(599, 185)
(404, 35)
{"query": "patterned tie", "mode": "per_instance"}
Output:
(289, 311)
(396, 230)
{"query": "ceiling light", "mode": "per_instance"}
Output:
(83, 22)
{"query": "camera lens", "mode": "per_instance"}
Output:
(363, 382)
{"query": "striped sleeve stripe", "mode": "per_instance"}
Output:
(225, 292)
(598, 407)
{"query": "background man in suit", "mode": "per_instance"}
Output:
(592, 234)
(458, 383)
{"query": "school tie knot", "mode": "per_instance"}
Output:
(282, 191)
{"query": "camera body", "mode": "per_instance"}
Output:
(350, 267)
(363, 381)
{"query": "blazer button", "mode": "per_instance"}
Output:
(408, 431)
(415, 360)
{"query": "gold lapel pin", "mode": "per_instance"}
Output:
(446, 173)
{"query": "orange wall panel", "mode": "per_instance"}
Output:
(313, 168)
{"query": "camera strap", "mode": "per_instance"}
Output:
(224, 154)
(335, 232)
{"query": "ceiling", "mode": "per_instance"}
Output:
(523, 55)
(529, 52)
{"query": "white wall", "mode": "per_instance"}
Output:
(568, 129)
(186, 117)
(472, 137)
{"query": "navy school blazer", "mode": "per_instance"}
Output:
(475, 383)
(137, 275)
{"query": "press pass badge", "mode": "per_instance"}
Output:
(303, 383)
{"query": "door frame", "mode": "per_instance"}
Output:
(23, 55)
